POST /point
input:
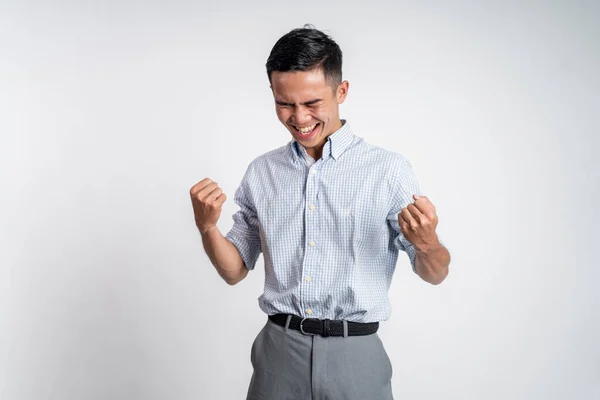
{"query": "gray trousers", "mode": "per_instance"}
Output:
(289, 365)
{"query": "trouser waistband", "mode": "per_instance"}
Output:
(325, 327)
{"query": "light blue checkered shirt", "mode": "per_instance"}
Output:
(328, 229)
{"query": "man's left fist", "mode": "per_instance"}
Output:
(418, 221)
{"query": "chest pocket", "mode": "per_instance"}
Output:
(355, 219)
(346, 223)
(338, 223)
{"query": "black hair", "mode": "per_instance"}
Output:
(305, 49)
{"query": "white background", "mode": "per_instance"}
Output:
(111, 111)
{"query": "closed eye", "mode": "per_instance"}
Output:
(306, 103)
(315, 102)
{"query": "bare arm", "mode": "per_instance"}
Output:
(432, 265)
(224, 256)
(207, 201)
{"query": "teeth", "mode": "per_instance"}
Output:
(306, 129)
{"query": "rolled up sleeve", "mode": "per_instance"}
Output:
(404, 184)
(244, 234)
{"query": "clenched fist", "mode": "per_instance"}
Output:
(417, 222)
(207, 200)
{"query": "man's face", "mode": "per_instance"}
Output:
(307, 105)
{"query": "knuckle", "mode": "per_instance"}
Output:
(203, 183)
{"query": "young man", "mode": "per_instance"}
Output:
(329, 212)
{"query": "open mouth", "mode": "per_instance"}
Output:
(306, 131)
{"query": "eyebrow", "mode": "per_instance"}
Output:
(306, 103)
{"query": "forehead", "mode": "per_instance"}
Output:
(299, 84)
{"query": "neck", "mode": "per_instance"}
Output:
(337, 126)
(317, 152)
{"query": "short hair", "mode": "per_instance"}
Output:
(306, 49)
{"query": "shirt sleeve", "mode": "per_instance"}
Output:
(244, 234)
(404, 184)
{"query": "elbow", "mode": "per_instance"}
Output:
(232, 280)
(438, 278)
(436, 281)
(434, 278)
(433, 271)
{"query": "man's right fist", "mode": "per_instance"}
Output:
(207, 199)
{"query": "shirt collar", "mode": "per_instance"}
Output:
(337, 143)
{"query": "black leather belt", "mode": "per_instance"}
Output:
(325, 327)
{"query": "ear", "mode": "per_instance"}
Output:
(342, 91)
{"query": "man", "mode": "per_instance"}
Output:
(329, 212)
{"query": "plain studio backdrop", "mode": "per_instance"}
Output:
(111, 111)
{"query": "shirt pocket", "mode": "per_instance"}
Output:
(364, 227)
(344, 226)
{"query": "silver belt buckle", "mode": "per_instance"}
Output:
(302, 330)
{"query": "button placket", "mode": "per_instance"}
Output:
(310, 233)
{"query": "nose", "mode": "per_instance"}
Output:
(301, 115)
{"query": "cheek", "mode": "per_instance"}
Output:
(322, 114)
(283, 115)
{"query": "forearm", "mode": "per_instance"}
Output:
(224, 256)
(432, 265)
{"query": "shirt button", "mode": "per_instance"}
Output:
(313, 171)
(308, 311)
(311, 243)
(308, 279)
(312, 207)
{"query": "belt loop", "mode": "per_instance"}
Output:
(287, 322)
(345, 328)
